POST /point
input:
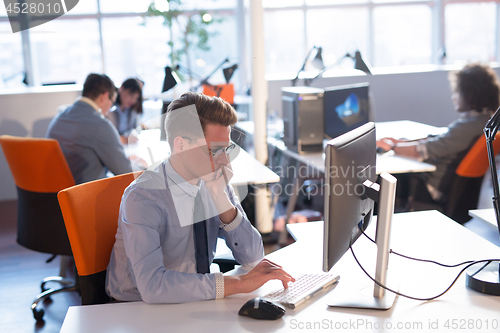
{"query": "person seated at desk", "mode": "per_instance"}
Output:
(127, 110)
(476, 95)
(89, 142)
(170, 217)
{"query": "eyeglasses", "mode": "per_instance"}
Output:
(215, 152)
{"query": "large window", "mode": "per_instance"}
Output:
(471, 32)
(387, 32)
(11, 58)
(402, 35)
(114, 36)
(338, 31)
(66, 50)
(135, 50)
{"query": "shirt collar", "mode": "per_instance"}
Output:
(474, 113)
(177, 179)
(91, 103)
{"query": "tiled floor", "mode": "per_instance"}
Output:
(21, 272)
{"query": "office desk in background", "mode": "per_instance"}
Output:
(246, 169)
(315, 162)
(427, 234)
(385, 162)
(486, 216)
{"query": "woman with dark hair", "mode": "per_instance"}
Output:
(128, 107)
(476, 95)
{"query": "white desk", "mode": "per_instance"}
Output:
(485, 215)
(423, 234)
(387, 162)
(247, 170)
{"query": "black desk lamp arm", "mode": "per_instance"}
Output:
(320, 73)
(490, 131)
(303, 67)
(205, 80)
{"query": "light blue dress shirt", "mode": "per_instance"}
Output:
(125, 121)
(153, 258)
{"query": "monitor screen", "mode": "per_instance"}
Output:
(346, 108)
(350, 161)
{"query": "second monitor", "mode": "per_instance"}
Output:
(346, 108)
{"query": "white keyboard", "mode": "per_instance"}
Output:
(304, 287)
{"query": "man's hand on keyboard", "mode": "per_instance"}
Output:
(266, 270)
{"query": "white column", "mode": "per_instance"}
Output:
(263, 219)
(242, 48)
(29, 67)
(438, 35)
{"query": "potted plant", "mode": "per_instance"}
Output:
(188, 29)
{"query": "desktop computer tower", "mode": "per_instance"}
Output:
(303, 119)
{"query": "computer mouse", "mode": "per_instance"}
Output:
(261, 308)
(381, 150)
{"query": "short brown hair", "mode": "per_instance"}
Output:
(98, 84)
(210, 110)
(478, 86)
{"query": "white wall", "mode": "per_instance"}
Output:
(27, 113)
(423, 96)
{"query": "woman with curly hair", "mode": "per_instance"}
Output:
(476, 95)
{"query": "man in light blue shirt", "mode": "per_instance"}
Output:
(158, 253)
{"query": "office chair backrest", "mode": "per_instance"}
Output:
(466, 185)
(475, 163)
(90, 212)
(226, 91)
(37, 165)
(40, 171)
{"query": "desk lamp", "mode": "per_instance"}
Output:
(481, 277)
(317, 61)
(228, 72)
(202, 81)
(171, 79)
(359, 63)
(205, 80)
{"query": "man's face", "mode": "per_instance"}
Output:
(198, 159)
(105, 102)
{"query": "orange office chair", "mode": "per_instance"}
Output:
(90, 213)
(224, 91)
(40, 171)
(466, 187)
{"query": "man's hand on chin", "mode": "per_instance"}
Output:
(216, 183)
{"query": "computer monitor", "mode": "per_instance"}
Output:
(346, 108)
(351, 191)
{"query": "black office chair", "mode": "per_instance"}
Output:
(40, 171)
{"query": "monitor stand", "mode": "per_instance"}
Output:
(377, 298)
